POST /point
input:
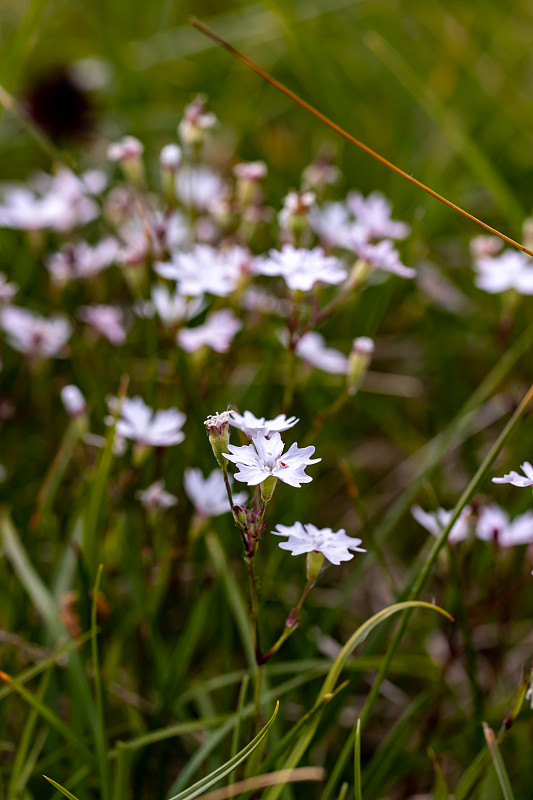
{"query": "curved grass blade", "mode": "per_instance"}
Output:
(201, 786)
(267, 779)
(357, 762)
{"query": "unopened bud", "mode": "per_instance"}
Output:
(218, 431)
(248, 175)
(169, 160)
(127, 152)
(74, 401)
(359, 274)
(358, 362)
(195, 123)
(294, 216)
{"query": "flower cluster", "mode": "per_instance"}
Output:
(489, 524)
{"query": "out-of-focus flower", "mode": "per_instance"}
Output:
(217, 332)
(61, 202)
(105, 320)
(170, 157)
(205, 269)
(516, 479)
(358, 362)
(208, 495)
(155, 497)
(173, 309)
(311, 347)
(295, 212)
(251, 425)
(7, 290)
(373, 216)
(306, 538)
(485, 246)
(255, 298)
(81, 260)
(436, 522)
(125, 149)
(494, 525)
(510, 270)
(250, 170)
(196, 121)
(199, 187)
(264, 459)
(384, 256)
(139, 422)
(73, 401)
(302, 268)
(332, 223)
(33, 334)
(321, 173)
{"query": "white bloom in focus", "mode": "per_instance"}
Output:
(302, 268)
(155, 497)
(7, 290)
(141, 424)
(436, 522)
(251, 425)
(208, 495)
(199, 187)
(516, 479)
(105, 320)
(306, 538)
(73, 400)
(312, 348)
(217, 332)
(82, 260)
(494, 525)
(510, 270)
(384, 256)
(263, 459)
(174, 308)
(373, 215)
(33, 334)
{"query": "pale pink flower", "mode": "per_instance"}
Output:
(307, 538)
(170, 157)
(140, 423)
(510, 270)
(302, 268)
(373, 215)
(311, 347)
(435, 522)
(251, 425)
(33, 334)
(73, 401)
(125, 149)
(217, 332)
(173, 308)
(206, 269)
(82, 260)
(384, 256)
(516, 479)
(105, 320)
(264, 459)
(208, 495)
(7, 290)
(155, 497)
(199, 187)
(494, 525)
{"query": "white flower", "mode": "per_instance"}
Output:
(251, 425)
(208, 495)
(82, 260)
(170, 157)
(250, 170)
(7, 290)
(155, 429)
(302, 268)
(383, 256)
(73, 400)
(106, 320)
(263, 459)
(33, 334)
(217, 332)
(494, 525)
(516, 479)
(196, 120)
(206, 269)
(485, 246)
(510, 270)
(373, 215)
(126, 148)
(306, 538)
(312, 348)
(174, 308)
(332, 223)
(156, 497)
(436, 522)
(199, 187)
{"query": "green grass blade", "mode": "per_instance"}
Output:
(101, 738)
(204, 784)
(357, 762)
(497, 760)
(64, 792)
(237, 729)
(16, 783)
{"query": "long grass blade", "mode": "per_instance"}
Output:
(497, 760)
(64, 792)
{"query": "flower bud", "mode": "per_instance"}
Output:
(74, 401)
(315, 560)
(359, 274)
(248, 175)
(128, 152)
(218, 431)
(294, 216)
(358, 362)
(169, 161)
(195, 123)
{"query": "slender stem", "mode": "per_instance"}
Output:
(291, 624)
(254, 614)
